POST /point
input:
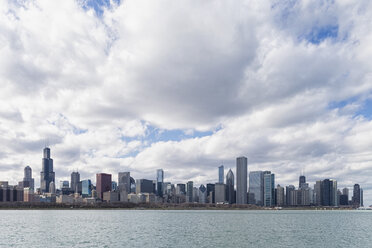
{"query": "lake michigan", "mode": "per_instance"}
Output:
(185, 228)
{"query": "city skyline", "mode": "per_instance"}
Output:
(137, 86)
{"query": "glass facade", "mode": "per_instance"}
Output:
(256, 186)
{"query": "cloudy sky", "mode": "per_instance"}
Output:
(185, 86)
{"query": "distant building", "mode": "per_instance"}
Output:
(189, 191)
(28, 181)
(52, 187)
(356, 196)
(344, 200)
(256, 187)
(301, 181)
(114, 186)
(345, 191)
(75, 179)
(47, 174)
(220, 174)
(269, 189)
(111, 196)
(318, 193)
(210, 193)
(181, 189)
(124, 181)
(241, 180)
(220, 192)
(230, 192)
(280, 196)
(144, 186)
(202, 194)
(86, 188)
(159, 182)
(103, 184)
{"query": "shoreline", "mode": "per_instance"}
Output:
(147, 206)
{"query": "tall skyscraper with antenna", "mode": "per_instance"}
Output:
(47, 174)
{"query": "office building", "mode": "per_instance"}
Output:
(144, 186)
(241, 180)
(210, 193)
(181, 189)
(28, 181)
(289, 195)
(75, 179)
(114, 186)
(356, 196)
(159, 182)
(280, 196)
(189, 191)
(345, 191)
(256, 187)
(124, 181)
(86, 188)
(301, 181)
(220, 192)
(230, 192)
(269, 189)
(103, 184)
(47, 174)
(202, 194)
(318, 201)
(220, 174)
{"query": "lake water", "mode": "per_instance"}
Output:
(178, 228)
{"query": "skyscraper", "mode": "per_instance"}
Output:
(241, 180)
(230, 196)
(327, 192)
(220, 192)
(86, 188)
(28, 181)
(159, 182)
(75, 179)
(124, 181)
(220, 174)
(103, 184)
(269, 189)
(202, 194)
(290, 195)
(356, 195)
(47, 174)
(301, 181)
(189, 191)
(256, 187)
(318, 193)
(280, 195)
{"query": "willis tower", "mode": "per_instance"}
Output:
(47, 174)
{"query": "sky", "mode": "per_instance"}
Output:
(186, 86)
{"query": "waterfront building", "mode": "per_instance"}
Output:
(144, 186)
(103, 184)
(279, 196)
(230, 192)
(75, 179)
(289, 195)
(318, 193)
(111, 196)
(210, 193)
(28, 194)
(47, 174)
(220, 192)
(124, 181)
(344, 200)
(329, 192)
(269, 189)
(159, 182)
(256, 187)
(189, 191)
(334, 193)
(220, 174)
(195, 194)
(356, 196)
(202, 194)
(241, 180)
(86, 186)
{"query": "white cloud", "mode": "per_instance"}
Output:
(245, 70)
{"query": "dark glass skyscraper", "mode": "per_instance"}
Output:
(256, 187)
(159, 182)
(301, 181)
(230, 196)
(28, 181)
(47, 174)
(220, 174)
(356, 195)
